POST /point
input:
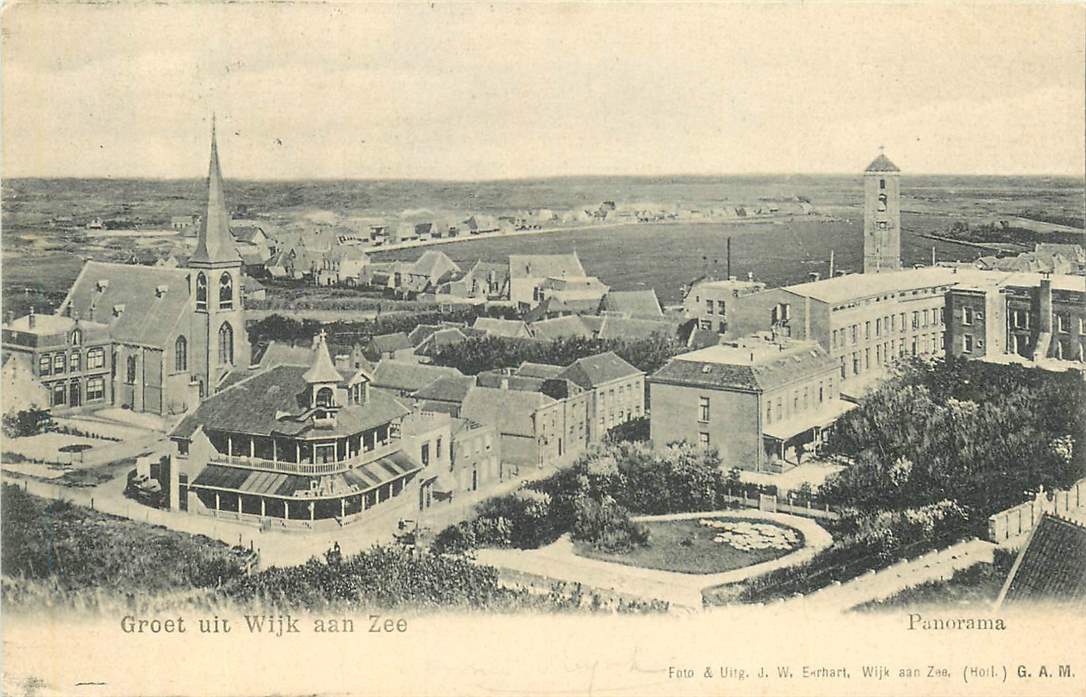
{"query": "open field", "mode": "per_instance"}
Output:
(41, 257)
(688, 547)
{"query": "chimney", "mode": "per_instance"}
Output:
(31, 320)
(813, 276)
(750, 276)
(1045, 301)
(118, 309)
(161, 290)
(103, 284)
(505, 383)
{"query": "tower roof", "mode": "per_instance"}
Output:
(322, 369)
(215, 244)
(882, 164)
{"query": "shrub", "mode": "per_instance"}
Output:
(27, 422)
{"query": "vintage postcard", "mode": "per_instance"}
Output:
(500, 349)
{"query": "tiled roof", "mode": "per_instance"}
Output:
(279, 353)
(253, 405)
(539, 370)
(501, 327)
(729, 367)
(1052, 566)
(496, 378)
(390, 343)
(635, 303)
(405, 375)
(561, 328)
(442, 338)
(450, 388)
(855, 286)
(593, 371)
(245, 233)
(544, 265)
(882, 164)
(149, 317)
(632, 328)
(431, 262)
(509, 411)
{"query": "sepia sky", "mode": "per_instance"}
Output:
(486, 92)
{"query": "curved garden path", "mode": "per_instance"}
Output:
(558, 561)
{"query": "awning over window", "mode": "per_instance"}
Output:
(826, 415)
(262, 483)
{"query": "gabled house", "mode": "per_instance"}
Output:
(527, 272)
(396, 346)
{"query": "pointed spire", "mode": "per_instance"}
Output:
(215, 244)
(322, 370)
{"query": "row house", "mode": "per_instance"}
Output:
(1036, 317)
(865, 322)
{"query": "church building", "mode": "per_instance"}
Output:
(176, 332)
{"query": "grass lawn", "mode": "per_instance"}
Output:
(688, 547)
(71, 549)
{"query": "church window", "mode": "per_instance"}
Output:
(226, 292)
(77, 337)
(201, 292)
(131, 373)
(226, 344)
(181, 354)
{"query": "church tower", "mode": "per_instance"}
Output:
(215, 277)
(882, 216)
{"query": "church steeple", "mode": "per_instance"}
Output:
(215, 244)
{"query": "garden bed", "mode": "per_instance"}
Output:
(704, 545)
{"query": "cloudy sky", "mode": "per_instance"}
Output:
(481, 92)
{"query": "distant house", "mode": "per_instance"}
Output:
(439, 340)
(528, 271)
(282, 353)
(1051, 568)
(252, 289)
(479, 224)
(560, 328)
(632, 329)
(633, 303)
(485, 280)
(446, 394)
(513, 329)
(390, 346)
(185, 223)
(403, 378)
(436, 267)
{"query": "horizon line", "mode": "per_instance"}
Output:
(449, 180)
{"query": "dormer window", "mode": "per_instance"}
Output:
(77, 337)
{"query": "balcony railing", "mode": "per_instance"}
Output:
(382, 449)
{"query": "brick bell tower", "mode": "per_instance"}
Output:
(882, 216)
(215, 273)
